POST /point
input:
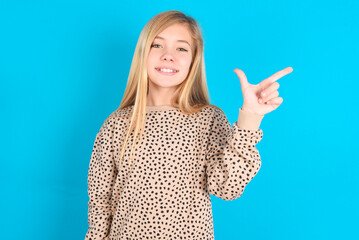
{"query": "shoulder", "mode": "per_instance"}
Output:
(209, 108)
(117, 118)
(121, 112)
(212, 114)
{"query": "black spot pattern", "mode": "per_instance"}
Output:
(182, 160)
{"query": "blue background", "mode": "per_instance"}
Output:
(63, 70)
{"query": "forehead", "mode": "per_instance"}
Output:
(176, 32)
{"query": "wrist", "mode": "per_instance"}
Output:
(247, 110)
(248, 119)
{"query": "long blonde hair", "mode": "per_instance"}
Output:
(190, 96)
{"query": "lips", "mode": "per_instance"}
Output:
(159, 68)
(166, 73)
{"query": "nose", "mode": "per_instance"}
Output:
(167, 56)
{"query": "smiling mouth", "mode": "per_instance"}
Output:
(167, 69)
(167, 73)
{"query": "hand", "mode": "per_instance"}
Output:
(253, 99)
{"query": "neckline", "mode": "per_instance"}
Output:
(160, 107)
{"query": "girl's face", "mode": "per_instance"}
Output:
(170, 50)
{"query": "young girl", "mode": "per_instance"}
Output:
(159, 156)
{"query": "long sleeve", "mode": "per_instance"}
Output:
(232, 160)
(101, 179)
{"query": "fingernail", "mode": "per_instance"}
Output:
(263, 94)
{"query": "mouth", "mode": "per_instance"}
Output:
(167, 71)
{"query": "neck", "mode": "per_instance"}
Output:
(159, 96)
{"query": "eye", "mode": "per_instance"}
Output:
(184, 50)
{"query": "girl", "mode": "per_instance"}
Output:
(159, 156)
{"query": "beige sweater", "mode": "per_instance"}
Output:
(182, 160)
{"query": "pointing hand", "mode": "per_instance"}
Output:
(263, 97)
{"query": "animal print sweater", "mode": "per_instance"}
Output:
(181, 161)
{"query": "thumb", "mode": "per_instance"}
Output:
(242, 78)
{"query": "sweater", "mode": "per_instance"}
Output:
(182, 160)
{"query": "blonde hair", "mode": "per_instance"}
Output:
(190, 96)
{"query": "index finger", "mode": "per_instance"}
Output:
(277, 75)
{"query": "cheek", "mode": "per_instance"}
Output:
(150, 59)
(186, 62)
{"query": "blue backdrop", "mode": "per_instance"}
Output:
(63, 70)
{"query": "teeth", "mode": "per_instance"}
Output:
(167, 70)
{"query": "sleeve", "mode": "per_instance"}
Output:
(232, 159)
(101, 179)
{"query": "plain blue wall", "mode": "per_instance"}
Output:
(63, 70)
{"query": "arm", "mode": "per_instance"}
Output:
(231, 156)
(101, 179)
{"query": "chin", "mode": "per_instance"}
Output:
(164, 84)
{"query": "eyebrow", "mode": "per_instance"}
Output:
(177, 40)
